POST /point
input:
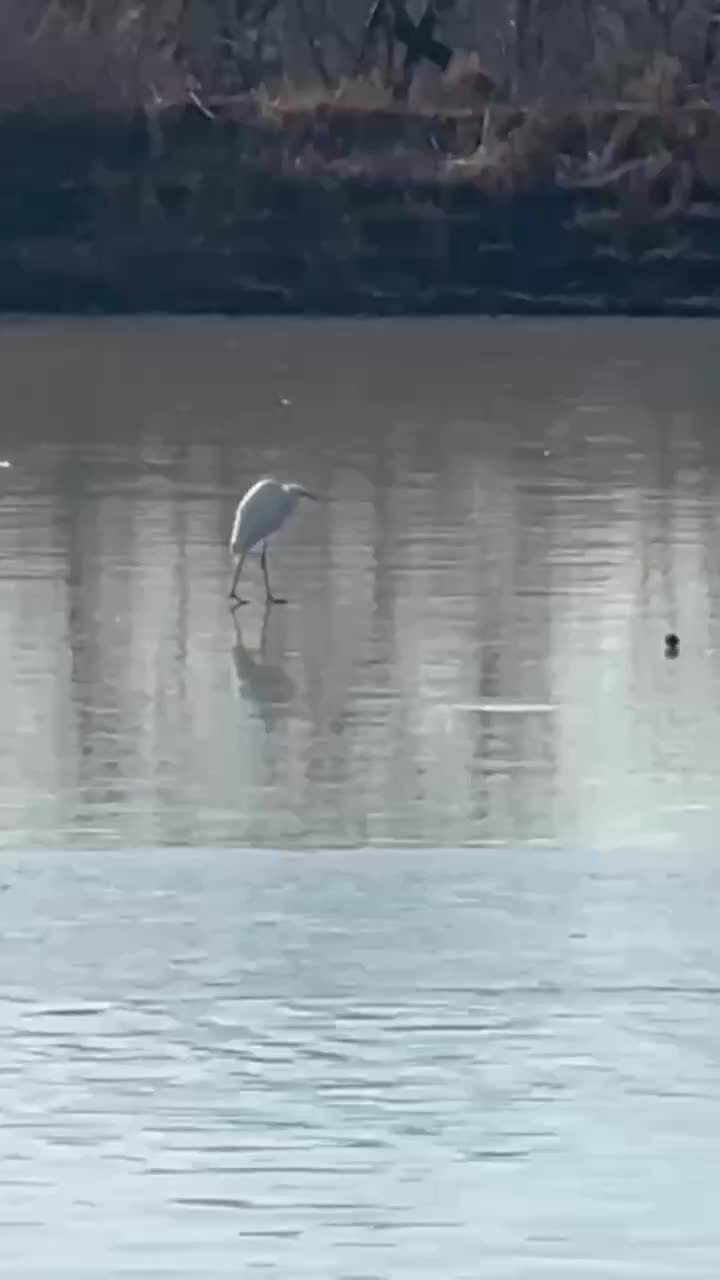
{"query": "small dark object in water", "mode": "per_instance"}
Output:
(672, 645)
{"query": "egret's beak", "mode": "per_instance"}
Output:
(304, 493)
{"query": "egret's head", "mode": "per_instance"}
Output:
(296, 491)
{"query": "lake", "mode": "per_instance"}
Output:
(374, 935)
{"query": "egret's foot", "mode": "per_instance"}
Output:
(236, 602)
(275, 600)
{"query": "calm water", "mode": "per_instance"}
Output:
(379, 1053)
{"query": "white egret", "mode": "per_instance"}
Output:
(264, 508)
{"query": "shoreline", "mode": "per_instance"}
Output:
(255, 208)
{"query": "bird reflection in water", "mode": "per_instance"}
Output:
(264, 683)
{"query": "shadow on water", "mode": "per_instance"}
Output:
(263, 682)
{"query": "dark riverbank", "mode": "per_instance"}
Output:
(351, 210)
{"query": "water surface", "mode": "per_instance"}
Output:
(515, 513)
(374, 938)
(390, 1065)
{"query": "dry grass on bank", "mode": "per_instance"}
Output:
(66, 54)
(660, 147)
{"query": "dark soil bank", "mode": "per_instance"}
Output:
(350, 211)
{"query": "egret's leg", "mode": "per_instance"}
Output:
(238, 569)
(271, 599)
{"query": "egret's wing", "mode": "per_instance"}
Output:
(236, 526)
(260, 513)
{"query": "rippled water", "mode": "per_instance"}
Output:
(394, 1065)
(354, 1059)
(387, 1065)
